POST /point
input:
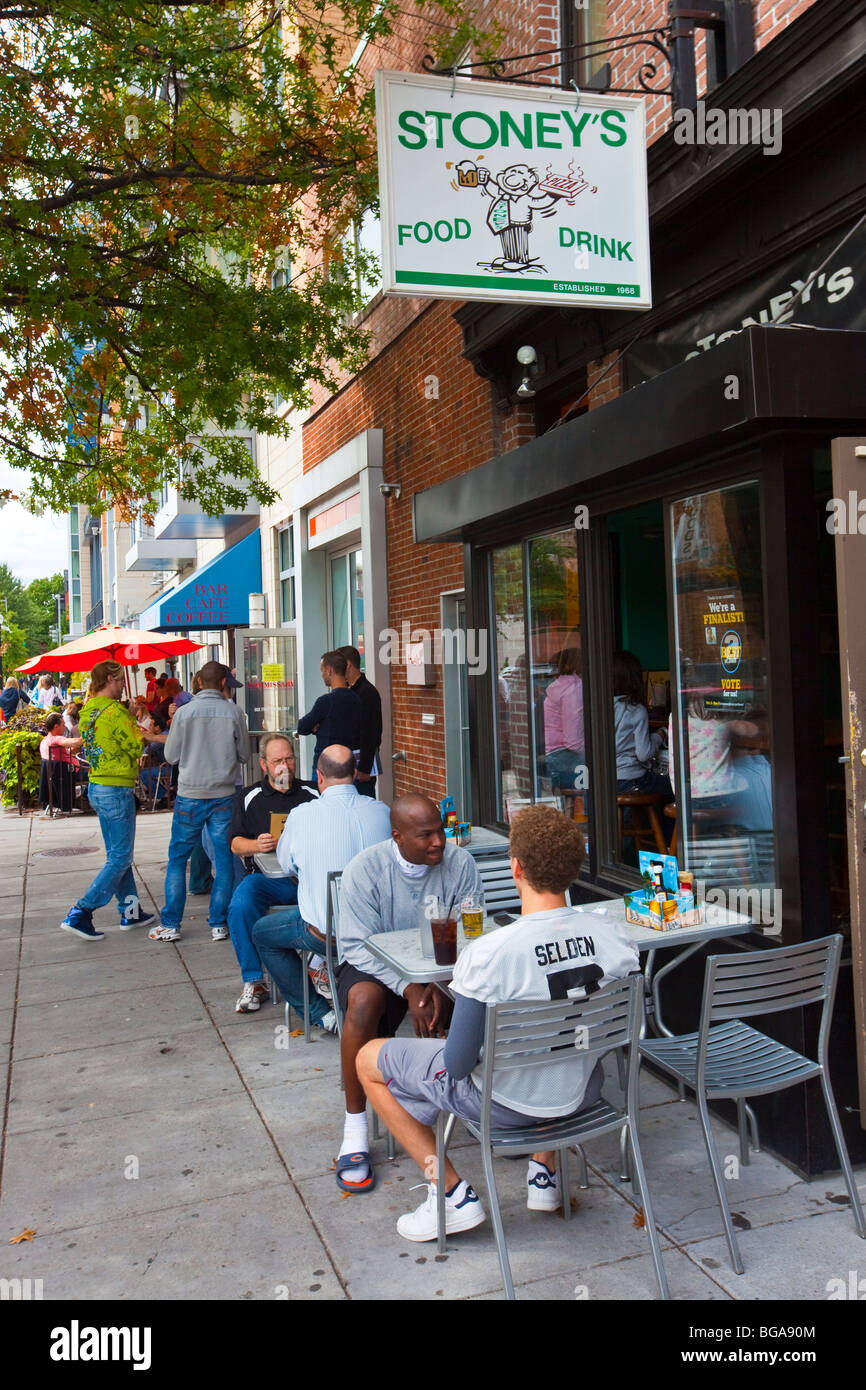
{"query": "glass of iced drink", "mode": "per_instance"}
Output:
(444, 931)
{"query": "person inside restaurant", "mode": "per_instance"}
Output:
(563, 722)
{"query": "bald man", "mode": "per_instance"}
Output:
(386, 888)
(318, 837)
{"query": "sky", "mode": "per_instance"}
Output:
(33, 547)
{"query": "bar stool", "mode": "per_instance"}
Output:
(648, 834)
(671, 812)
(578, 803)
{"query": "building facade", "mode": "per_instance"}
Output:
(659, 485)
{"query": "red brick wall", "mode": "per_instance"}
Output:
(426, 440)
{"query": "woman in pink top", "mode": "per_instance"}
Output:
(58, 769)
(563, 721)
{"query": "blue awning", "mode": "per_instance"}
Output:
(216, 596)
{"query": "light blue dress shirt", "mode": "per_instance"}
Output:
(322, 836)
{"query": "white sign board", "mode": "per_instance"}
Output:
(500, 192)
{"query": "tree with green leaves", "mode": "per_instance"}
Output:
(42, 595)
(177, 182)
(15, 604)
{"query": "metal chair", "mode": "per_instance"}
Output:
(522, 1035)
(732, 1060)
(500, 894)
(331, 939)
(331, 920)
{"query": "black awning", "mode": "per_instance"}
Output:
(761, 379)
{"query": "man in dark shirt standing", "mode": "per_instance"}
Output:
(371, 722)
(277, 794)
(335, 717)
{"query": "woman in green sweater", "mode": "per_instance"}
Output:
(112, 746)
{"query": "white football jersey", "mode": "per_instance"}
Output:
(557, 954)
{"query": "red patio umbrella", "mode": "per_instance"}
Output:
(111, 643)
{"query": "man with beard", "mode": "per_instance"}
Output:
(277, 794)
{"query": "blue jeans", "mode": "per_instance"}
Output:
(250, 901)
(115, 807)
(191, 815)
(239, 873)
(200, 875)
(278, 938)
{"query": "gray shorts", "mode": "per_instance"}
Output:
(414, 1072)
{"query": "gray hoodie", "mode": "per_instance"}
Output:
(208, 737)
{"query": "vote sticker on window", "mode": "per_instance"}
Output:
(731, 651)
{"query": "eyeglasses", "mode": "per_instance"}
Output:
(281, 762)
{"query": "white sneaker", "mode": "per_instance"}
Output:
(164, 934)
(255, 993)
(219, 933)
(542, 1189)
(329, 1022)
(462, 1211)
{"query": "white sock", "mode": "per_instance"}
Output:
(458, 1192)
(355, 1140)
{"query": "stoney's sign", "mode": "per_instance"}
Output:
(506, 193)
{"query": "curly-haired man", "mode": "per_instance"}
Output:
(548, 953)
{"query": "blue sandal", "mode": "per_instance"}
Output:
(346, 1163)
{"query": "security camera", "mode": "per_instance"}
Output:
(527, 356)
(390, 490)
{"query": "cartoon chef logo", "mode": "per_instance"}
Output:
(517, 194)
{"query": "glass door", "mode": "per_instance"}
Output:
(267, 670)
(347, 600)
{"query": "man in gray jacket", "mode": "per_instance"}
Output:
(208, 738)
(387, 888)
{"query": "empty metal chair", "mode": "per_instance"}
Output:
(731, 1060)
(533, 1035)
(500, 893)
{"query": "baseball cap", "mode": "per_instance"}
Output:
(232, 683)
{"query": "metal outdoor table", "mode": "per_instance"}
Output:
(486, 842)
(269, 865)
(402, 949)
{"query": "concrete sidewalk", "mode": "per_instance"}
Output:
(162, 1146)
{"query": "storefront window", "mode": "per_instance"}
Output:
(539, 694)
(557, 668)
(511, 704)
(721, 766)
